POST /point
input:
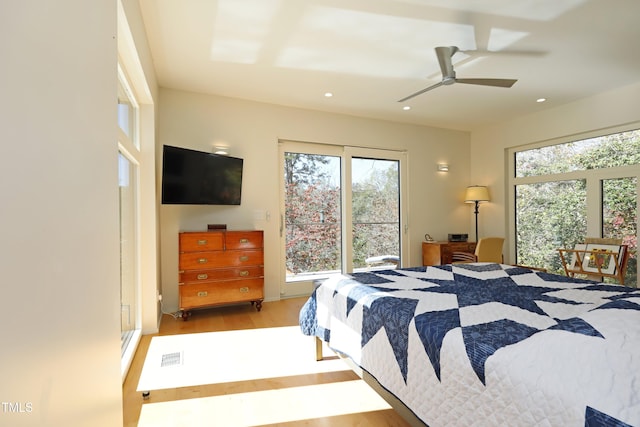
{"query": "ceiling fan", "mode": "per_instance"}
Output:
(445, 53)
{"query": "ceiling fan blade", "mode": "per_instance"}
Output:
(488, 82)
(421, 92)
(505, 52)
(444, 54)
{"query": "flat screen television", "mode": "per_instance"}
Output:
(192, 177)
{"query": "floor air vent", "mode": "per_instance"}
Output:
(171, 359)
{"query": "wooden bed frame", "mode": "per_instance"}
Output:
(406, 413)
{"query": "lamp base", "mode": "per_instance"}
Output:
(477, 210)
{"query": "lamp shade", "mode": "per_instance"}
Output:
(476, 193)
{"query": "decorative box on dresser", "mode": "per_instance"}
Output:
(220, 267)
(440, 253)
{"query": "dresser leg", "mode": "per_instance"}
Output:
(258, 305)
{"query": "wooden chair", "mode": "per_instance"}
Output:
(488, 249)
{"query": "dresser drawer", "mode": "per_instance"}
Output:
(207, 260)
(198, 242)
(458, 247)
(244, 240)
(191, 276)
(440, 253)
(214, 293)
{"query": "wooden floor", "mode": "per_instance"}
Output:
(273, 314)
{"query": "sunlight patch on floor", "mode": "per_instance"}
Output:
(265, 407)
(231, 356)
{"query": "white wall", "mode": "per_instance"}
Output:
(488, 146)
(252, 130)
(59, 255)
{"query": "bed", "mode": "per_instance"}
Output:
(488, 344)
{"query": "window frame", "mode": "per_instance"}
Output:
(129, 148)
(593, 178)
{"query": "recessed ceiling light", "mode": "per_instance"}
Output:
(541, 100)
(406, 108)
(328, 94)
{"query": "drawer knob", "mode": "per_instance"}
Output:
(202, 260)
(244, 289)
(244, 240)
(202, 242)
(203, 293)
(244, 273)
(244, 258)
(203, 276)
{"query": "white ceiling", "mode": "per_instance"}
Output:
(371, 53)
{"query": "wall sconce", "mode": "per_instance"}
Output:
(443, 167)
(476, 194)
(221, 150)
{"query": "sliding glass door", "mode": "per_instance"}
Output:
(375, 212)
(341, 211)
(127, 179)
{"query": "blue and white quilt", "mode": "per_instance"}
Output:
(489, 344)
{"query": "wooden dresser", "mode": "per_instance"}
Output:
(220, 267)
(439, 253)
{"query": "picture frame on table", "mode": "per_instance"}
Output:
(600, 258)
(577, 257)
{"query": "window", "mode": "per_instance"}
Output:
(542, 223)
(135, 145)
(313, 214)
(375, 210)
(566, 192)
(127, 173)
(620, 217)
(128, 185)
(127, 112)
(618, 149)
